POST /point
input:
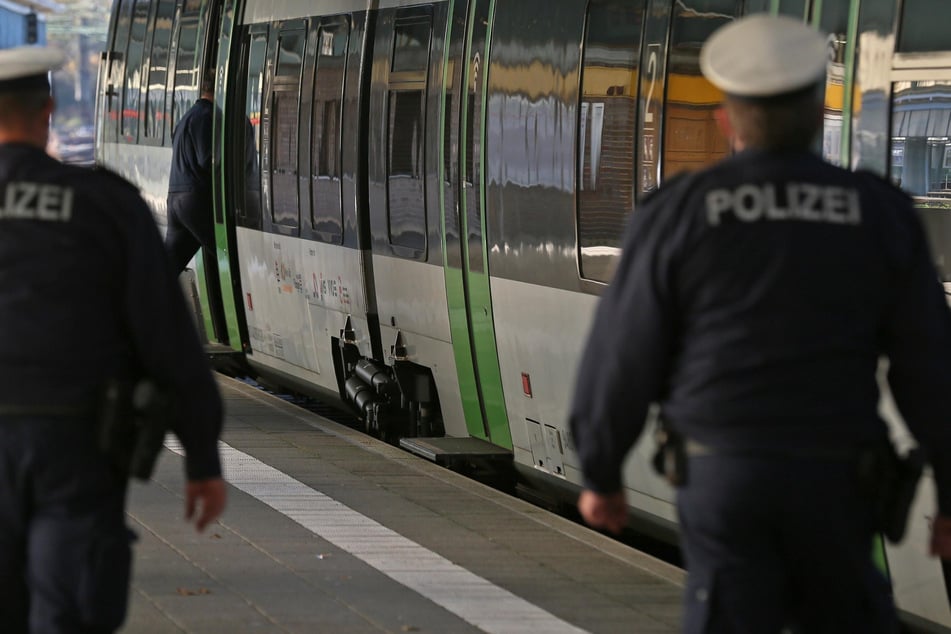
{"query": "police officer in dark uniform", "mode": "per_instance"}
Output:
(753, 302)
(85, 297)
(190, 202)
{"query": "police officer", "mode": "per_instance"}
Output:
(190, 203)
(752, 302)
(85, 297)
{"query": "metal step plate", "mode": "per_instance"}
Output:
(446, 451)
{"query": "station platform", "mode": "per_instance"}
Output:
(330, 531)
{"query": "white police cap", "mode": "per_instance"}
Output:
(26, 67)
(764, 55)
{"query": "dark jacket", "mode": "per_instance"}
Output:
(192, 150)
(86, 294)
(753, 301)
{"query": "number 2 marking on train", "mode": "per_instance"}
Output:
(652, 70)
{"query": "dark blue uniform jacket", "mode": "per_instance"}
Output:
(85, 293)
(753, 301)
(191, 150)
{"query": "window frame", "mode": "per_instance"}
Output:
(588, 264)
(163, 138)
(282, 84)
(406, 81)
(310, 229)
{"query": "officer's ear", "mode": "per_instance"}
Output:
(722, 117)
(48, 108)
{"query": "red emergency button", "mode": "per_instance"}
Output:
(527, 385)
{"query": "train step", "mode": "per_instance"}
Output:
(455, 452)
(225, 359)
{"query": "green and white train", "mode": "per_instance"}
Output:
(417, 203)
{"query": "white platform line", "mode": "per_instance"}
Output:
(452, 587)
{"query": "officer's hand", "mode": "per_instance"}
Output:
(941, 537)
(208, 498)
(607, 511)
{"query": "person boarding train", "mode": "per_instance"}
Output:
(752, 302)
(86, 297)
(190, 201)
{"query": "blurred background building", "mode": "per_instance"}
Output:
(78, 28)
(24, 22)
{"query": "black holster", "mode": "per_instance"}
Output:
(670, 459)
(890, 482)
(131, 424)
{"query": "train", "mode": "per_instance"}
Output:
(418, 203)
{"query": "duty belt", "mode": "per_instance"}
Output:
(694, 448)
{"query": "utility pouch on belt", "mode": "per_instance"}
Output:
(670, 460)
(132, 423)
(891, 481)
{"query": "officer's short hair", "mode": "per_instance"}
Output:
(787, 123)
(772, 70)
(22, 103)
(207, 83)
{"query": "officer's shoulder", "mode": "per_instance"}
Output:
(111, 178)
(884, 200)
(101, 181)
(670, 189)
(880, 184)
(892, 210)
(104, 189)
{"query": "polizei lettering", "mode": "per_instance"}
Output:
(36, 201)
(793, 201)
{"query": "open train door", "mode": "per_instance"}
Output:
(229, 55)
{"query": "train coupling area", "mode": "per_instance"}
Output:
(330, 530)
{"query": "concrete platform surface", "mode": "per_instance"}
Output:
(330, 531)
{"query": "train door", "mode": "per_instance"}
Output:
(201, 28)
(235, 154)
(466, 266)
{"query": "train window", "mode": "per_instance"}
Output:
(290, 55)
(411, 41)
(607, 133)
(921, 158)
(158, 70)
(405, 169)
(120, 43)
(284, 131)
(185, 92)
(875, 43)
(284, 134)
(794, 8)
(326, 123)
(132, 88)
(406, 124)
(250, 213)
(920, 31)
(692, 139)
(757, 6)
(834, 19)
